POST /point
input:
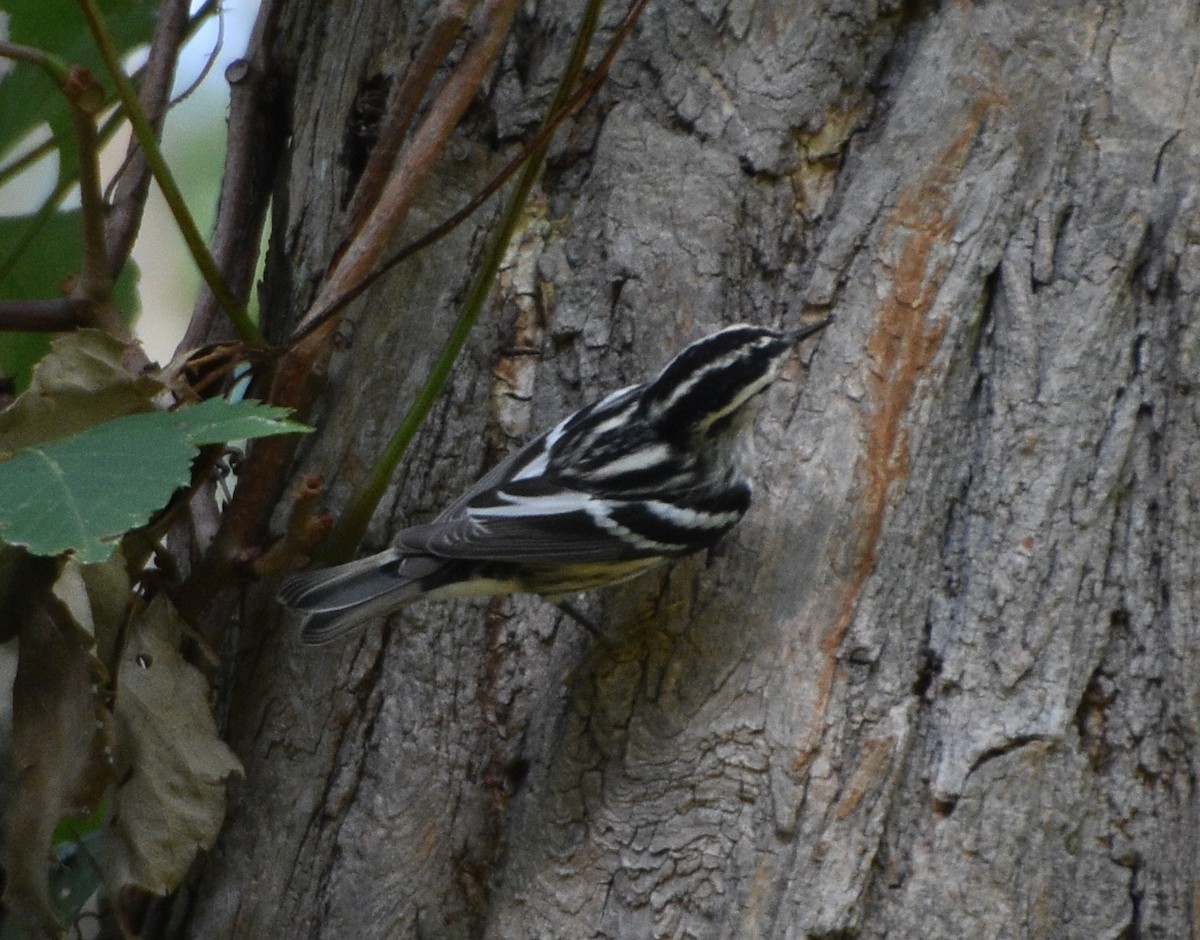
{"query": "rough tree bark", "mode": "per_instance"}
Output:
(942, 682)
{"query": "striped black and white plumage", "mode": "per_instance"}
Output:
(648, 473)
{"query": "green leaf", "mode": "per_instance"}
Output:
(74, 880)
(83, 492)
(80, 383)
(36, 256)
(74, 877)
(216, 421)
(171, 763)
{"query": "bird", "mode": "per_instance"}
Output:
(646, 474)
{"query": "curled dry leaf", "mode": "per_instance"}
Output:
(61, 743)
(82, 381)
(172, 765)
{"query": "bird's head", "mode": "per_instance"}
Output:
(712, 388)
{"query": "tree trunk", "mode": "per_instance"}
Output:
(942, 681)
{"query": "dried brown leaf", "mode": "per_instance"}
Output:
(172, 764)
(61, 737)
(83, 380)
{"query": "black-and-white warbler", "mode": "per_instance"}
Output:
(645, 474)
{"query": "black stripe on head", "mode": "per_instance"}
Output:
(709, 376)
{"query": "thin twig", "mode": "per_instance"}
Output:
(29, 158)
(92, 289)
(129, 201)
(209, 9)
(60, 74)
(93, 286)
(41, 316)
(194, 23)
(57, 67)
(111, 123)
(47, 209)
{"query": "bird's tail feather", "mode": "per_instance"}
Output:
(332, 601)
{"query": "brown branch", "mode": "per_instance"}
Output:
(254, 146)
(41, 316)
(93, 283)
(420, 158)
(306, 529)
(406, 96)
(93, 287)
(129, 202)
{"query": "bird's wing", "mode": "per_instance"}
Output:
(507, 468)
(533, 521)
(532, 461)
(525, 511)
